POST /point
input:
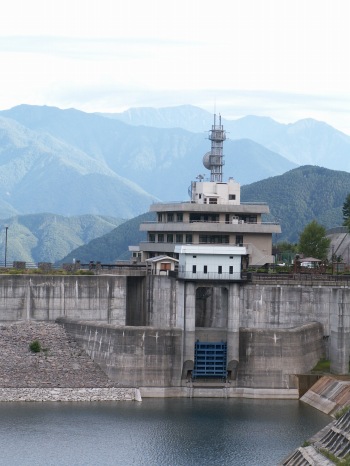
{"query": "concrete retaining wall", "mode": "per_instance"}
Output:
(131, 356)
(45, 297)
(273, 358)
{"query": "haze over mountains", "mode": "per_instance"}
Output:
(72, 163)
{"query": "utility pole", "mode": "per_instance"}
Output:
(6, 228)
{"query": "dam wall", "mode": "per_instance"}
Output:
(153, 357)
(131, 356)
(48, 297)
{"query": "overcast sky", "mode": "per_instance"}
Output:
(288, 59)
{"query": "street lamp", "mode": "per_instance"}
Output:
(6, 228)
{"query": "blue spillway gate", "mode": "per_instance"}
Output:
(210, 359)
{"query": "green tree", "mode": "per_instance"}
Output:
(346, 211)
(313, 241)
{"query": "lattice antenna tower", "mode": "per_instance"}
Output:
(214, 160)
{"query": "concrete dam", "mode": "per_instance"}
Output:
(173, 337)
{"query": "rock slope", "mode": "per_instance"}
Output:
(61, 363)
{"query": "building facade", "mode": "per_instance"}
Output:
(214, 216)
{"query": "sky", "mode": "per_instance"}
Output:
(287, 59)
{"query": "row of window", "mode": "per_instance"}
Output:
(198, 217)
(205, 269)
(170, 217)
(187, 238)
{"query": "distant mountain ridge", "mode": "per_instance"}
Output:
(306, 141)
(154, 159)
(49, 237)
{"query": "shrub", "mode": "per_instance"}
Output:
(35, 346)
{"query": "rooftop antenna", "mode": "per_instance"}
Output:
(213, 160)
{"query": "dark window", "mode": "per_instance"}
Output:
(205, 269)
(227, 218)
(194, 257)
(160, 218)
(220, 269)
(231, 269)
(188, 238)
(213, 200)
(239, 239)
(170, 217)
(179, 238)
(179, 217)
(231, 197)
(170, 238)
(152, 238)
(161, 238)
(194, 268)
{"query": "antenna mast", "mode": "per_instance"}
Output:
(217, 135)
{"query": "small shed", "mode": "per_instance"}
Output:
(160, 265)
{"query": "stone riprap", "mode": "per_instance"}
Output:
(70, 394)
(61, 371)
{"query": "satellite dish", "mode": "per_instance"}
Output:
(206, 160)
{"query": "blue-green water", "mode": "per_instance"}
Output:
(155, 432)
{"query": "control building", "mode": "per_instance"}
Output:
(214, 216)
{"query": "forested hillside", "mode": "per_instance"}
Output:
(295, 199)
(301, 195)
(113, 245)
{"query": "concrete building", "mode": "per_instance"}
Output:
(214, 215)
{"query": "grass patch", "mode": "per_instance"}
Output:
(342, 411)
(35, 346)
(323, 365)
(339, 462)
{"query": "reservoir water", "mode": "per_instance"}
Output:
(155, 432)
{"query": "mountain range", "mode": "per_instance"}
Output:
(112, 166)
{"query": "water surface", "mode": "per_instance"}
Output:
(155, 432)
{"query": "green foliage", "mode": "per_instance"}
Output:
(323, 365)
(306, 444)
(337, 461)
(35, 346)
(313, 241)
(342, 411)
(346, 211)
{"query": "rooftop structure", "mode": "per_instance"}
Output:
(214, 215)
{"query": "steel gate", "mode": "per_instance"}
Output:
(210, 359)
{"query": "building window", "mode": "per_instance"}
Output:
(194, 268)
(179, 217)
(219, 269)
(227, 218)
(194, 257)
(188, 238)
(231, 197)
(231, 269)
(160, 238)
(239, 239)
(152, 238)
(160, 218)
(231, 257)
(170, 217)
(169, 238)
(205, 269)
(213, 239)
(213, 200)
(179, 238)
